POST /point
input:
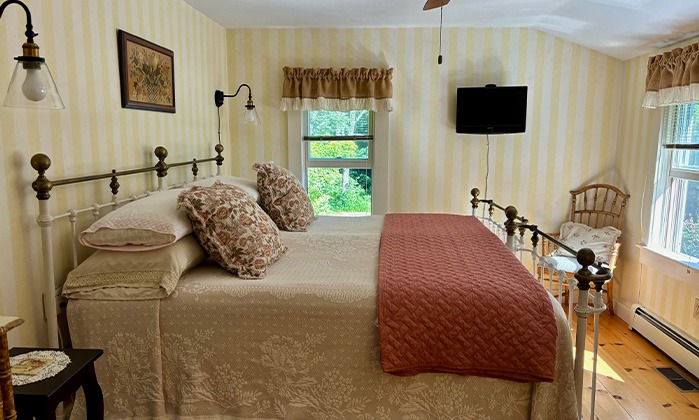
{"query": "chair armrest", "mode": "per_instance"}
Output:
(547, 247)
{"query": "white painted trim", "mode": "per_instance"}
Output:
(623, 311)
(380, 183)
(668, 264)
(664, 342)
(295, 127)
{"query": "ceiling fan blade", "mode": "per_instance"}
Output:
(433, 4)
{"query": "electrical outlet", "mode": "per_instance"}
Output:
(696, 308)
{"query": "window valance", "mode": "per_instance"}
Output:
(673, 77)
(309, 89)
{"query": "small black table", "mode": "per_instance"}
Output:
(40, 399)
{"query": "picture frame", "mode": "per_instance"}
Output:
(146, 73)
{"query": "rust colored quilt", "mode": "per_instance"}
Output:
(454, 299)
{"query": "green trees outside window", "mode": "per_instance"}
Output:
(338, 169)
(687, 132)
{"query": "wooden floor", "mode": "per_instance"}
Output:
(627, 385)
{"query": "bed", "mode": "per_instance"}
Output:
(301, 343)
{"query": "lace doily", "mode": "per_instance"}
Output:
(59, 361)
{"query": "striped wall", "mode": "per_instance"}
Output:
(573, 113)
(670, 296)
(582, 125)
(93, 133)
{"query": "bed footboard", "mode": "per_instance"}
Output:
(512, 232)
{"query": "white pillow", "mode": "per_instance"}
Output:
(149, 223)
(247, 185)
(577, 236)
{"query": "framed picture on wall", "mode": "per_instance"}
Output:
(147, 74)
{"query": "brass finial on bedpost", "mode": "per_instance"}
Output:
(586, 257)
(511, 226)
(219, 158)
(195, 168)
(475, 201)
(535, 236)
(114, 185)
(42, 185)
(161, 167)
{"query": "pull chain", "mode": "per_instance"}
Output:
(441, 14)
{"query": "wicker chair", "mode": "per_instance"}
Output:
(596, 205)
(7, 401)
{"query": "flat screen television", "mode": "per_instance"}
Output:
(491, 109)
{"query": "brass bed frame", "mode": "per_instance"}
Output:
(511, 231)
(43, 186)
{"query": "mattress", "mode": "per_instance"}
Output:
(301, 343)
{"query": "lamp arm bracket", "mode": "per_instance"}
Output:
(219, 95)
(29, 33)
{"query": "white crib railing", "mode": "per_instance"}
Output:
(587, 303)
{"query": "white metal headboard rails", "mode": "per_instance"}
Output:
(43, 186)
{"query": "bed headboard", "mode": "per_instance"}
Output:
(43, 187)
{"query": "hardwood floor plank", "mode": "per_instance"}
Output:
(641, 392)
(606, 406)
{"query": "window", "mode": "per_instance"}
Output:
(675, 225)
(338, 155)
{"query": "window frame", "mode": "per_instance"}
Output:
(339, 162)
(308, 162)
(670, 189)
(380, 184)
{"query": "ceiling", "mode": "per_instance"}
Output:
(620, 28)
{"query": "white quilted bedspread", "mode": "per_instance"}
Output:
(300, 344)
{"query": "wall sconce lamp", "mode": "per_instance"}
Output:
(250, 115)
(31, 85)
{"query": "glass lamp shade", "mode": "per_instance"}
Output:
(250, 116)
(32, 86)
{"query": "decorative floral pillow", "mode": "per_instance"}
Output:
(284, 197)
(577, 236)
(248, 185)
(233, 229)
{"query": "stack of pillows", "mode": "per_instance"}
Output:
(146, 245)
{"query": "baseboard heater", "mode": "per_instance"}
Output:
(676, 344)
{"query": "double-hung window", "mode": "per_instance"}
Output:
(338, 156)
(675, 224)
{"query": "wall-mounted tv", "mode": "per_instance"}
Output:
(491, 109)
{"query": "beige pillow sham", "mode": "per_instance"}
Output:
(109, 275)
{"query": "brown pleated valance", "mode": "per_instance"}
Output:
(673, 77)
(308, 89)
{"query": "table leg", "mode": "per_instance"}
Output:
(94, 400)
(50, 413)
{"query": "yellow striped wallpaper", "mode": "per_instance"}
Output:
(583, 124)
(671, 298)
(78, 39)
(573, 112)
